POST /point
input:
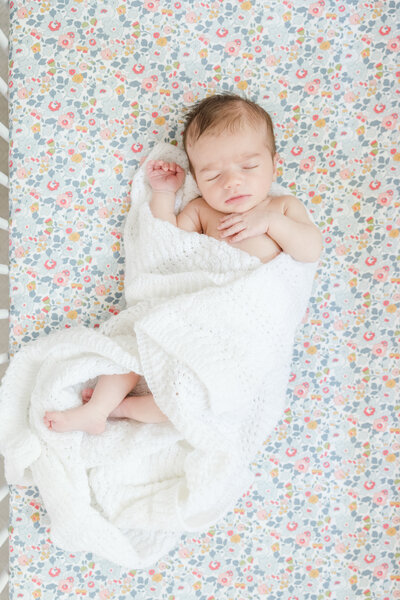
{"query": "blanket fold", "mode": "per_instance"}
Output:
(210, 329)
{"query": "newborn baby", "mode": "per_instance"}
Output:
(232, 155)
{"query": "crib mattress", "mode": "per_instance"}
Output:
(93, 85)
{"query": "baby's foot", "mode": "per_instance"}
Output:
(83, 418)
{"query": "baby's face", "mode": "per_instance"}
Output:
(234, 170)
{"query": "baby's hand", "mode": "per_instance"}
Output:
(164, 176)
(239, 226)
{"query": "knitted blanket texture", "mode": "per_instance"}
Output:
(210, 329)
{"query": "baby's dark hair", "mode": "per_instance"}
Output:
(222, 111)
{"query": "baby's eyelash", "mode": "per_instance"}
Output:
(252, 167)
(212, 178)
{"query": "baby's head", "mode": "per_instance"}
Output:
(231, 148)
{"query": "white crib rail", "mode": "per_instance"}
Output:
(4, 134)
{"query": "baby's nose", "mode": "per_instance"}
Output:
(232, 180)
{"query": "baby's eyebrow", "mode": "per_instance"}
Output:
(240, 158)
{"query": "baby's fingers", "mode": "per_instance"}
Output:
(232, 230)
(229, 220)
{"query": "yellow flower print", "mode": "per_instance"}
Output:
(77, 78)
(325, 45)
(246, 5)
(162, 41)
(314, 573)
(242, 85)
(76, 157)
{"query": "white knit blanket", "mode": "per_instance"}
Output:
(211, 329)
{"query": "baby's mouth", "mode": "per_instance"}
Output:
(237, 198)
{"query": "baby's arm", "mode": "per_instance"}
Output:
(295, 233)
(165, 179)
(291, 228)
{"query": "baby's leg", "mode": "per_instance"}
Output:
(139, 408)
(92, 416)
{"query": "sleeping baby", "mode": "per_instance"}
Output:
(232, 156)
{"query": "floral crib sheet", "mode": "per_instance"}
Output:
(93, 85)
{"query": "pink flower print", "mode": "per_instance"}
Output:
(271, 61)
(263, 589)
(17, 330)
(20, 252)
(106, 54)
(394, 44)
(345, 173)
(302, 465)
(22, 13)
(66, 121)
(316, 9)
(184, 552)
(312, 87)
(339, 325)
(151, 5)
(380, 571)
(66, 41)
(380, 349)
(262, 514)
(380, 497)
(105, 594)
(190, 17)
(61, 278)
(340, 474)
(381, 274)
(23, 560)
(303, 539)
(307, 164)
(150, 83)
(65, 585)
(22, 93)
(380, 424)
(390, 121)
(22, 173)
(225, 578)
(64, 200)
(349, 97)
(340, 548)
(103, 213)
(385, 198)
(301, 391)
(188, 97)
(233, 48)
(341, 250)
(106, 134)
(355, 19)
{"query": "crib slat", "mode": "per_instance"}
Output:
(3, 88)
(4, 132)
(3, 359)
(3, 224)
(3, 536)
(3, 179)
(3, 269)
(3, 580)
(3, 41)
(3, 492)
